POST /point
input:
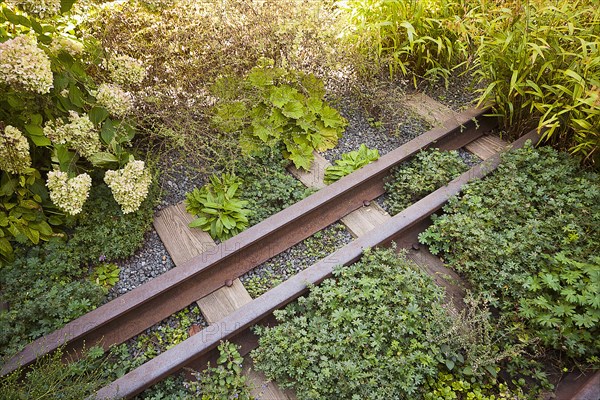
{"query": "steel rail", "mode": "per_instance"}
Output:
(148, 304)
(187, 352)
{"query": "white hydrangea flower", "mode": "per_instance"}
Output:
(117, 101)
(68, 194)
(40, 8)
(24, 65)
(14, 151)
(126, 70)
(129, 185)
(78, 134)
(61, 43)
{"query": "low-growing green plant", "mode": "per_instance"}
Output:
(45, 287)
(525, 238)
(51, 377)
(224, 381)
(105, 232)
(279, 108)
(106, 275)
(427, 171)
(267, 186)
(218, 206)
(567, 306)
(350, 162)
(258, 285)
(374, 331)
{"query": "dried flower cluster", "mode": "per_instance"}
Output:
(129, 185)
(39, 8)
(126, 70)
(117, 101)
(78, 134)
(69, 194)
(24, 65)
(61, 43)
(14, 151)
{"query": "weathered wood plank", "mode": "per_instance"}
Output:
(224, 301)
(486, 146)
(429, 109)
(182, 243)
(262, 388)
(364, 219)
(441, 274)
(314, 177)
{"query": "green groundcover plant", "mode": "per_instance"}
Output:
(54, 282)
(378, 329)
(527, 239)
(267, 186)
(219, 209)
(350, 162)
(427, 171)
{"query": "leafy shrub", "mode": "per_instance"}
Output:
(372, 332)
(22, 217)
(51, 120)
(540, 64)
(225, 381)
(218, 207)
(567, 305)
(48, 285)
(267, 186)
(105, 232)
(350, 162)
(276, 107)
(45, 289)
(425, 172)
(524, 237)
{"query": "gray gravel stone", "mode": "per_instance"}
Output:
(301, 256)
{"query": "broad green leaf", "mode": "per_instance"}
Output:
(293, 109)
(97, 115)
(66, 5)
(108, 131)
(331, 118)
(281, 95)
(5, 247)
(104, 160)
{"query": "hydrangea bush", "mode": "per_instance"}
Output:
(64, 108)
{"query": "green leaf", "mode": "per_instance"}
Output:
(66, 5)
(6, 248)
(331, 118)
(97, 115)
(281, 95)
(108, 131)
(104, 160)
(293, 109)
(37, 135)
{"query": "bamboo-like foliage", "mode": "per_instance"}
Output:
(419, 38)
(538, 60)
(541, 64)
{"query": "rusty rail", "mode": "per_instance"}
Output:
(187, 352)
(135, 311)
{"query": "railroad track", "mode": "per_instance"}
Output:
(199, 277)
